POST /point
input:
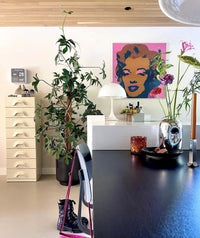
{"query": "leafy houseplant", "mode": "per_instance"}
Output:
(67, 102)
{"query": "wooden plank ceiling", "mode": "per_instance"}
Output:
(85, 13)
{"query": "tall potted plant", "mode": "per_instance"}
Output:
(67, 105)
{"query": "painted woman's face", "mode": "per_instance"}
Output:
(135, 75)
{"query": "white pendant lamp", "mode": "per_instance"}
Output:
(184, 11)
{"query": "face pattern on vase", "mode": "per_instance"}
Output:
(171, 134)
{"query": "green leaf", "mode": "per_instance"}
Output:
(190, 60)
(35, 82)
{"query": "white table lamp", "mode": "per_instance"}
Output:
(114, 91)
(184, 11)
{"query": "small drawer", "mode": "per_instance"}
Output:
(21, 153)
(20, 102)
(21, 174)
(20, 143)
(21, 163)
(20, 122)
(19, 133)
(20, 112)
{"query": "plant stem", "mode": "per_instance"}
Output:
(169, 102)
(177, 85)
(162, 106)
(184, 73)
(168, 110)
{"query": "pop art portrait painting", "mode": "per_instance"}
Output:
(132, 68)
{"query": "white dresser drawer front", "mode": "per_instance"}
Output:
(19, 133)
(21, 163)
(20, 112)
(20, 143)
(20, 102)
(21, 174)
(20, 122)
(21, 153)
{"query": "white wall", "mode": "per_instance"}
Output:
(34, 48)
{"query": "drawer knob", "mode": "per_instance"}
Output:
(15, 103)
(18, 175)
(18, 154)
(18, 123)
(18, 144)
(18, 133)
(19, 113)
(19, 165)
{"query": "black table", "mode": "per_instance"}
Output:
(143, 198)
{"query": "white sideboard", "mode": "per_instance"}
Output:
(115, 135)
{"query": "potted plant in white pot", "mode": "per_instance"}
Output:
(67, 105)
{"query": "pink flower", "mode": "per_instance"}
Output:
(155, 91)
(166, 79)
(186, 46)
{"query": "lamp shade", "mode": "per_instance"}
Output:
(184, 11)
(113, 90)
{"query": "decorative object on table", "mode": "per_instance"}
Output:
(32, 92)
(193, 142)
(24, 92)
(132, 113)
(186, 11)
(132, 68)
(170, 134)
(18, 90)
(153, 153)
(137, 143)
(113, 91)
(170, 127)
(66, 104)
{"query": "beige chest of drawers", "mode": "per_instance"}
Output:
(23, 152)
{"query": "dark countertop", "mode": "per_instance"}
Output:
(144, 198)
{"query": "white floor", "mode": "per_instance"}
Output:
(30, 209)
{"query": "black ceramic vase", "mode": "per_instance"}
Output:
(63, 170)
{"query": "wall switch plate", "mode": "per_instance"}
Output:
(18, 75)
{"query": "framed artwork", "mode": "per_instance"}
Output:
(132, 68)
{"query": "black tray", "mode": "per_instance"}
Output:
(150, 152)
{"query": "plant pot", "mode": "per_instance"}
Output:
(170, 134)
(63, 170)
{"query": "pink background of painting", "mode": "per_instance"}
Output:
(152, 46)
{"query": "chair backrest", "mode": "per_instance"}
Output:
(84, 149)
(85, 164)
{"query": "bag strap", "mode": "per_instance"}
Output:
(66, 205)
